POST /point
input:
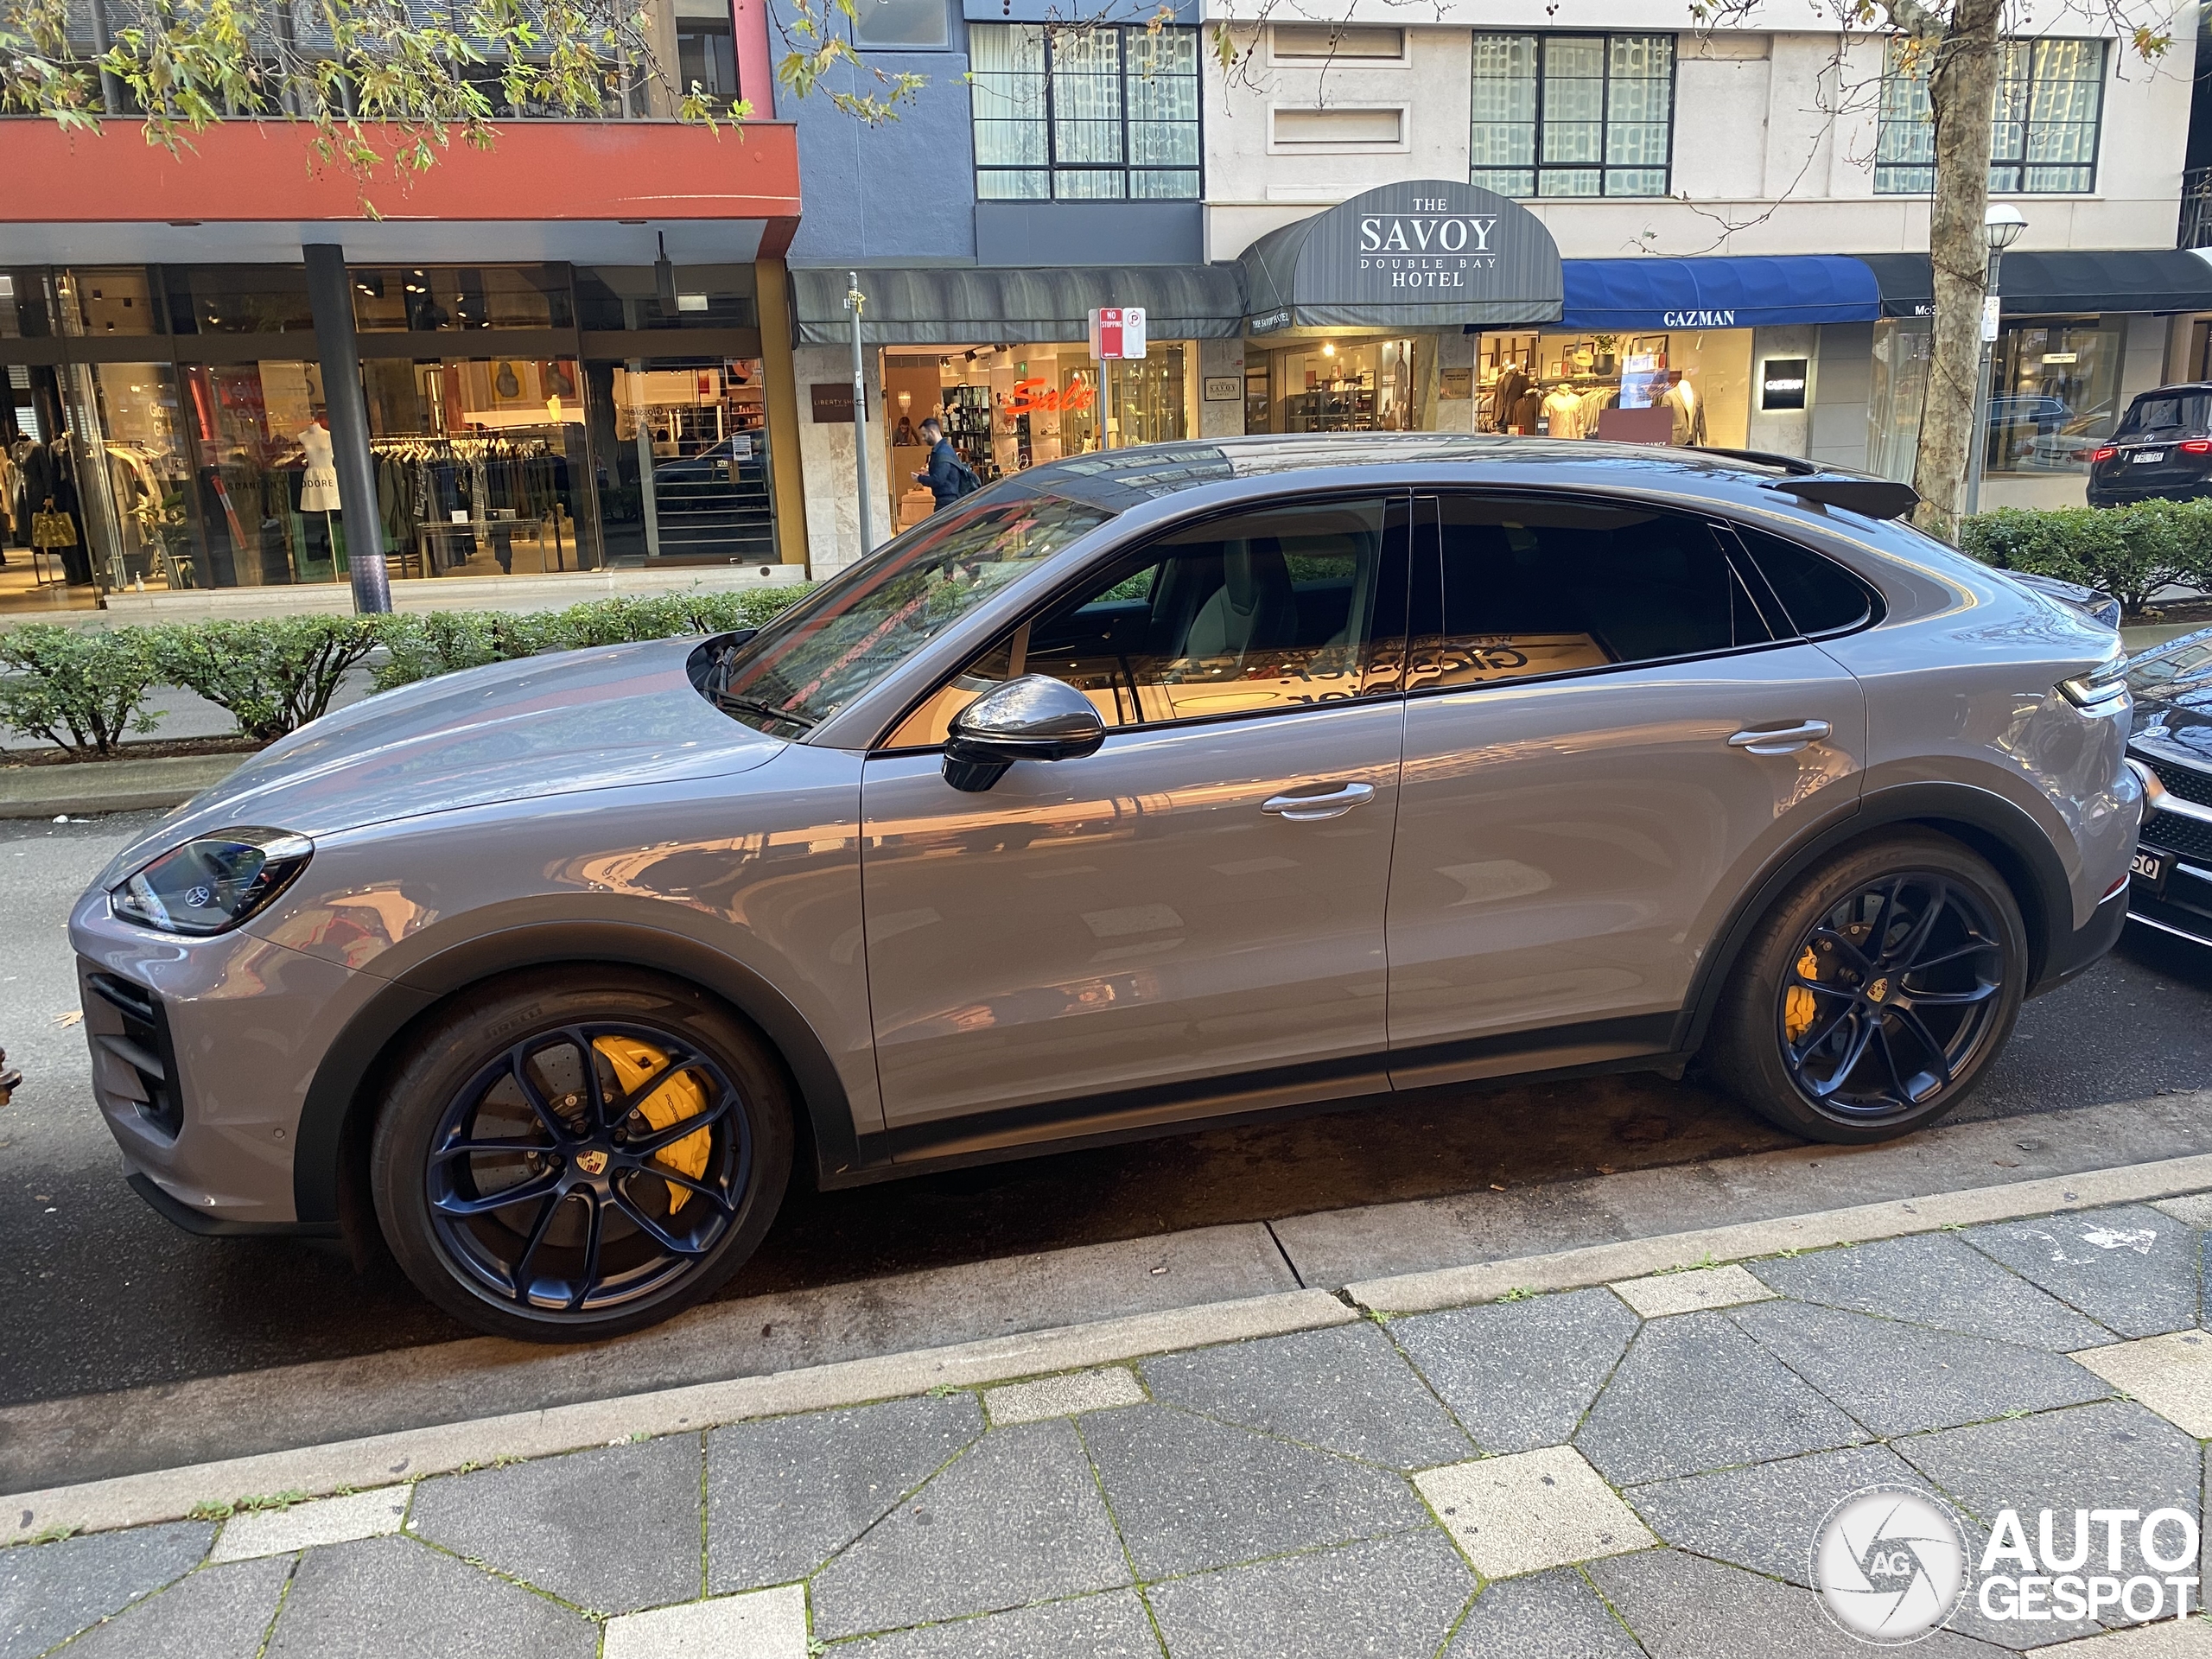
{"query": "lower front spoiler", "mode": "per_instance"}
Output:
(2084, 948)
(173, 1209)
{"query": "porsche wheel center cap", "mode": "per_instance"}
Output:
(592, 1163)
(1877, 990)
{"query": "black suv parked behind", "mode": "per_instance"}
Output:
(2162, 449)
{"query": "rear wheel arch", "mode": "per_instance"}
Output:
(2000, 833)
(330, 1160)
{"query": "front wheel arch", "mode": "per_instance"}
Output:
(330, 1157)
(2000, 833)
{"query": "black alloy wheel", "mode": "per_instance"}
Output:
(1872, 998)
(614, 1154)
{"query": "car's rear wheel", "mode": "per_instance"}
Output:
(1874, 996)
(576, 1153)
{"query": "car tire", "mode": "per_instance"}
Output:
(1834, 1037)
(532, 1195)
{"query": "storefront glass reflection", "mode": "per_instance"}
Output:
(479, 465)
(1682, 386)
(260, 427)
(2054, 396)
(134, 493)
(682, 445)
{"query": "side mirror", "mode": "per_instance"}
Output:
(1034, 718)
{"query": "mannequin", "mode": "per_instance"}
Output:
(319, 493)
(1563, 410)
(1688, 410)
(1506, 395)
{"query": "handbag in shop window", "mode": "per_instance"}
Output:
(50, 529)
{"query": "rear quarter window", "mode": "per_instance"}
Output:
(1820, 594)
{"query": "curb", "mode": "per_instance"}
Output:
(382, 1459)
(1604, 1264)
(94, 786)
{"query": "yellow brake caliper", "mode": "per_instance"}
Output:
(680, 1098)
(1798, 1006)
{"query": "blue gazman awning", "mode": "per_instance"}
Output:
(1609, 295)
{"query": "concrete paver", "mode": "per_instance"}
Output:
(1531, 1511)
(1591, 1474)
(1520, 1375)
(785, 1496)
(1064, 1397)
(1381, 1598)
(610, 1531)
(1696, 1292)
(1933, 1279)
(2171, 1375)
(1190, 1493)
(303, 1526)
(763, 1624)
(1345, 1390)
(2130, 1267)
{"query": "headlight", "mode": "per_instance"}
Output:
(2101, 690)
(213, 881)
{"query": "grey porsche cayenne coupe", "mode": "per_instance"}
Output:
(1145, 789)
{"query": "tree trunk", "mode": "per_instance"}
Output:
(1962, 91)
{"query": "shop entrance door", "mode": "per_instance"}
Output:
(686, 469)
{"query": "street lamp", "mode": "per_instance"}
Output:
(2001, 227)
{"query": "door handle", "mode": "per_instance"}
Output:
(1312, 809)
(1786, 741)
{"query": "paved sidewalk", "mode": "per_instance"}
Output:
(1591, 1474)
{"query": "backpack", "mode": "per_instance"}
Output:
(965, 480)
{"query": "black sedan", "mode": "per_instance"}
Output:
(2171, 745)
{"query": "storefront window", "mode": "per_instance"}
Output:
(1682, 386)
(435, 299)
(23, 311)
(1897, 389)
(1362, 385)
(2054, 396)
(134, 479)
(626, 298)
(104, 302)
(1008, 408)
(238, 300)
(682, 446)
(264, 524)
(479, 465)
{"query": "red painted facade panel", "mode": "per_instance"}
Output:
(244, 171)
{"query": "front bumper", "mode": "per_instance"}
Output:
(203, 1051)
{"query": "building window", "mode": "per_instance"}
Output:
(1339, 43)
(1573, 115)
(2043, 137)
(1099, 113)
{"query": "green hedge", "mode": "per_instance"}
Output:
(2129, 552)
(86, 691)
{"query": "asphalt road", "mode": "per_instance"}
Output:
(96, 1292)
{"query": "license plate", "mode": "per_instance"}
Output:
(2143, 457)
(2148, 867)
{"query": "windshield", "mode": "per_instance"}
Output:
(821, 654)
(2150, 675)
(2167, 412)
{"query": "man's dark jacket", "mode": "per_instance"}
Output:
(944, 476)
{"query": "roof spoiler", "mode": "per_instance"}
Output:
(1859, 492)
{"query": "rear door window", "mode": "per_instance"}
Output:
(1519, 588)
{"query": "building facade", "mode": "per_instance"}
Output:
(617, 353)
(558, 368)
(1740, 217)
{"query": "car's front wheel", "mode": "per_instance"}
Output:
(1874, 996)
(579, 1152)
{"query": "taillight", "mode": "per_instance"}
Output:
(2196, 446)
(2103, 453)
